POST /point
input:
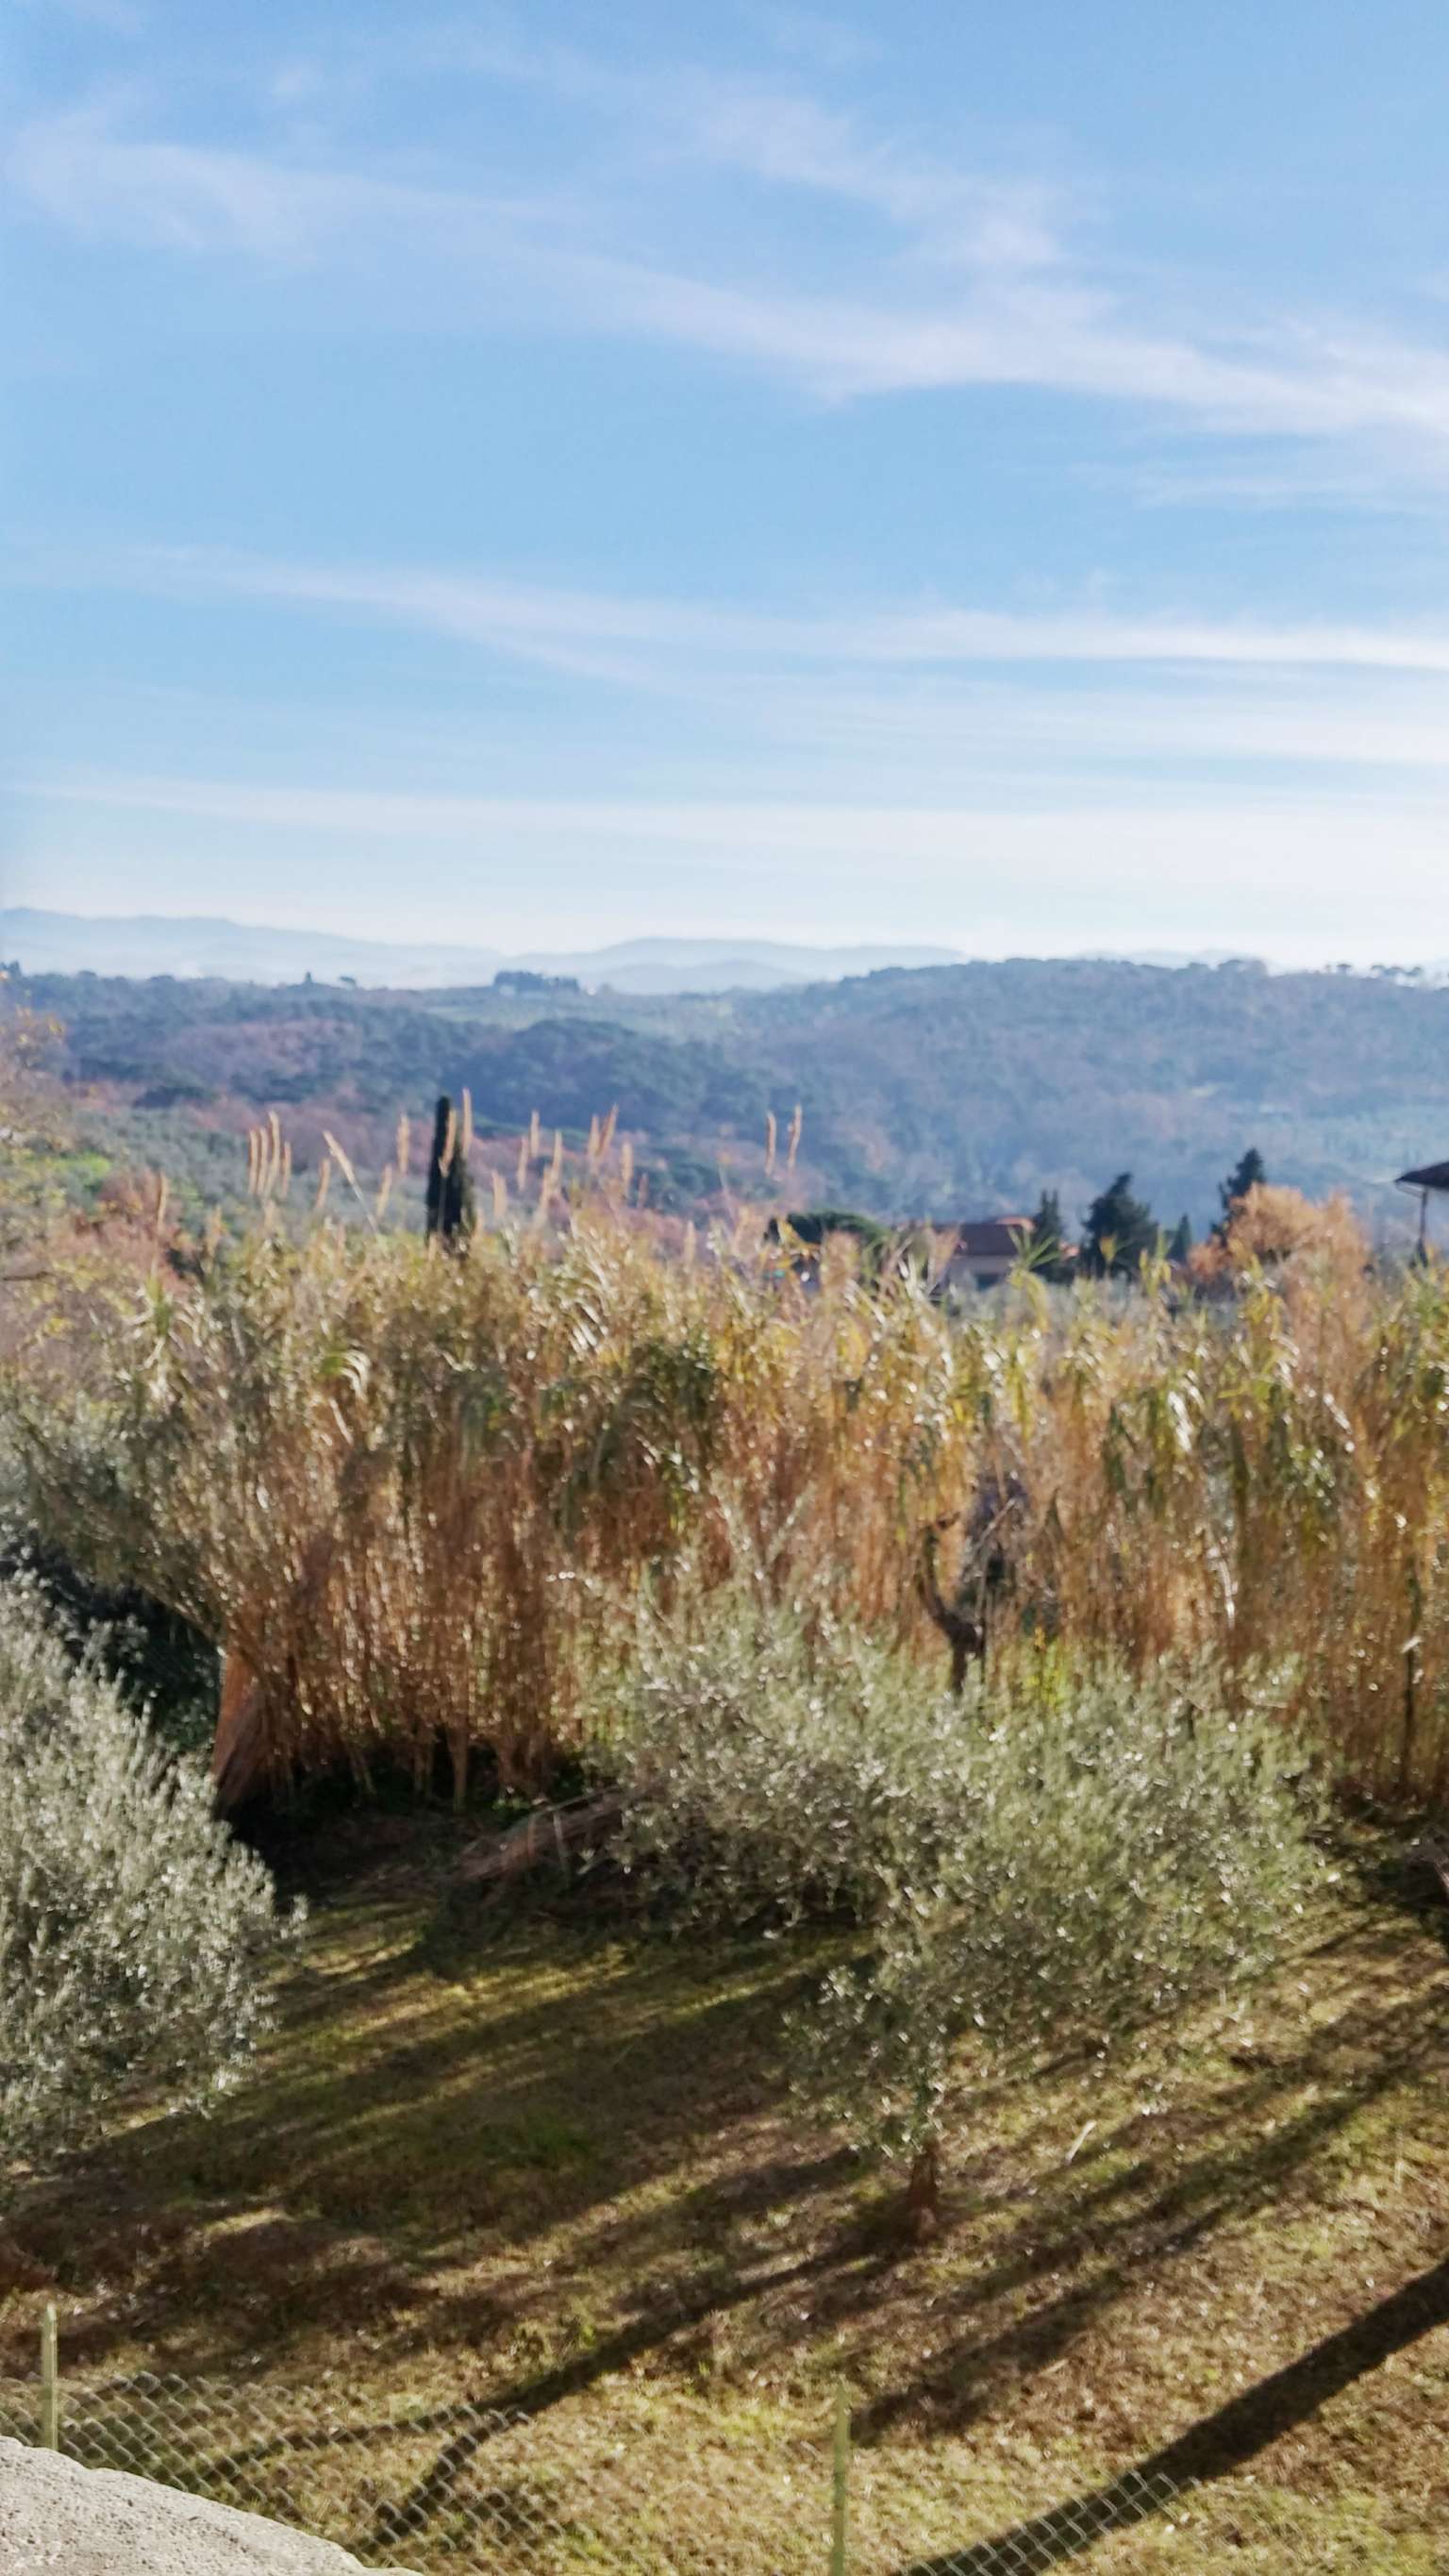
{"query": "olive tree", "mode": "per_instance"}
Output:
(132, 1924)
(1118, 1854)
(774, 1762)
(1062, 1857)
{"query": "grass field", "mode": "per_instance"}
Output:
(540, 2159)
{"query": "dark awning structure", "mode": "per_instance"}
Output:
(1426, 1178)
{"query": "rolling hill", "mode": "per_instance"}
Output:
(942, 1091)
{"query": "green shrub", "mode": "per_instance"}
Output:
(131, 1924)
(774, 1760)
(1114, 1857)
(1056, 1857)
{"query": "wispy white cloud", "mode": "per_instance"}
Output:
(535, 621)
(1007, 308)
(929, 698)
(83, 173)
(687, 119)
(816, 828)
(1040, 735)
(790, 141)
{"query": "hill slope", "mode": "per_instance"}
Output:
(941, 1090)
(975, 1084)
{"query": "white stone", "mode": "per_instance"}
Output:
(59, 2519)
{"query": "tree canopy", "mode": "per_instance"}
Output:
(1120, 1231)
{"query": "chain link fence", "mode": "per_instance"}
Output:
(459, 2487)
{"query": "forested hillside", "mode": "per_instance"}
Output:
(938, 1091)
(978, 1084)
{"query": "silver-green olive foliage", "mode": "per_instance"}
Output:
(1055, 1857)
(132, 1924)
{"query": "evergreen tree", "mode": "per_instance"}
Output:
(1181, 1244)
(451, 1207)
(1249, 1174)
(1121, 1231)
(1045, 1249)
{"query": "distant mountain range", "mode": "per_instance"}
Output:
(64, 943)
(201, 947)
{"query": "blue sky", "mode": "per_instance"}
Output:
(951, 472)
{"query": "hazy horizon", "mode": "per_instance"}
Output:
(54, 941)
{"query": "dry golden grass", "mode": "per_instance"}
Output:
(410, 1495)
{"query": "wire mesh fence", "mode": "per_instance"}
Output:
(457, 2486)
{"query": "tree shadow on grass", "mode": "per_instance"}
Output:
(1125, 2235)
(419, 2139)
(401, 2128)
(1132, 2224)
(1218, 2445)
(537, 2394)
(1215, 2447)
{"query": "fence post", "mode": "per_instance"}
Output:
(49, 2382)
(840, 2483)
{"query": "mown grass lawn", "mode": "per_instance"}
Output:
(541, 2159)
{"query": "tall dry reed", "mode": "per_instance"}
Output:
(410, 1496)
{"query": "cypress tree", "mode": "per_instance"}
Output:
(450, 1203)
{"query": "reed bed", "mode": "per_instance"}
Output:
(411, 1495)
